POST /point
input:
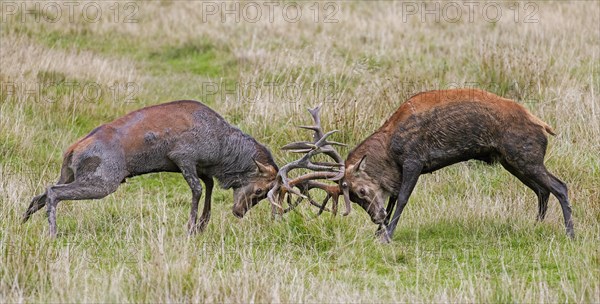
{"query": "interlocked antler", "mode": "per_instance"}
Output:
(333, 171)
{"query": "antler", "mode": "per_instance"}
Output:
(333, 171)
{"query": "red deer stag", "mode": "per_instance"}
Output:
(432, 130)
(181, 136)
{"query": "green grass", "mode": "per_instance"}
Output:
(199, 58)
(468, 233)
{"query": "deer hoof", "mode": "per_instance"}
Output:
(383, 236)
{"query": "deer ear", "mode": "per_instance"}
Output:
(263, 169)
(361, 165)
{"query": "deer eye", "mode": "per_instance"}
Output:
(258, 191)
(362, 191)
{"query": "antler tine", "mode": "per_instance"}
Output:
(305, 184)
(315, 113)
(331, 152)
(332, 191)
(335, 143)
(322, 141)
(317, 118)
(298, 145)
(323, 170)
(310, 176)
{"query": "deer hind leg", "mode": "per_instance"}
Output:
(77, 190)
(538, 174)
(542, 193)
(38, 202)
(559, 189)
(530, 162)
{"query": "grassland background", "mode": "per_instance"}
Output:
(467, 235)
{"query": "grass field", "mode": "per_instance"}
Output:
(468, 233)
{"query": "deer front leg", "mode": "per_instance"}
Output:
(188, 170)
(411, 171)
(208, 184)
(381, 230)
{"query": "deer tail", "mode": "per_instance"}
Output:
(542, 124)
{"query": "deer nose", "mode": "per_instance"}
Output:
(238, 212)
(379, 218)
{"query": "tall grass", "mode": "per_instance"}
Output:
(467, 235)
